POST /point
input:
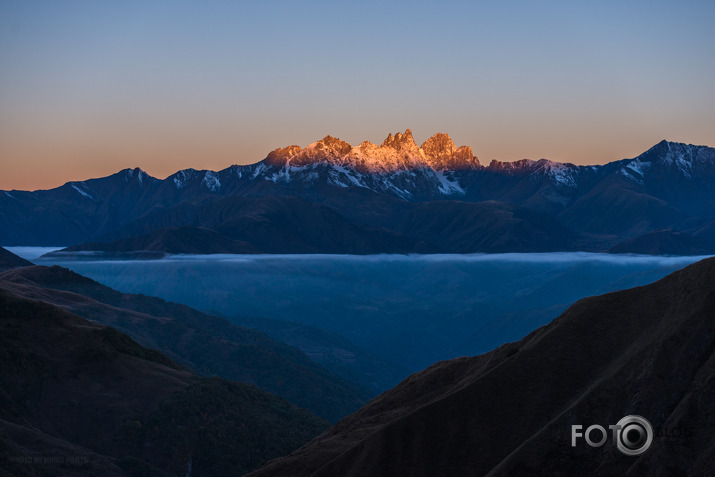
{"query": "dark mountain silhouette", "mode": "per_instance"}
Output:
(333, 197)
(210, 345)
(464, 227)
(291, 225)
(184, 239)
(247, 225)
(79, 398)
(646, 351)
(666, 242)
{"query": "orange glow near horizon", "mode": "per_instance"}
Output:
(90, 88)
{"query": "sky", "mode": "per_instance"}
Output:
(90, 87)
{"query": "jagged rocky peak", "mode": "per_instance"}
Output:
(439, 145)
(402, 142)
(397, 152)
(279, 157)
(441, 153)
(332, 145)
(672, 158)
(327, 149)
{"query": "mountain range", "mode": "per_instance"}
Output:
(331, 197)
(647, 351)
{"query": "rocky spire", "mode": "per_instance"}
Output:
(401, 142)
(397, 152)
(439, 146)
(441, 153)
(328, 149)
(279, 157)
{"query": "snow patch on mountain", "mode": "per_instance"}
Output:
(236, 170)
(340, 173)
(211, 181)
(83, 193)
(285, 174)
(638, 167)
(448, 185)
(140, 174)
(635, 170)
(182, 177)
(561, 174)
(683, 164)
(258, 170)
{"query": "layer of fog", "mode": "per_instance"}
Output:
(412, 310)
(31, 253)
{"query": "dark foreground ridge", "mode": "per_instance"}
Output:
(646, 351)
(79, 398)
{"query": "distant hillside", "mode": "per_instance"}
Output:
(247, 225)
(291, 225)
(666, 242)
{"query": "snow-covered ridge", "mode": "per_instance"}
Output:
(181, 178)
(208, 179)
(437, 169)
(673, 159)
(211, 181)
(562, 174)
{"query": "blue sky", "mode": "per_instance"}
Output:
(90, 87)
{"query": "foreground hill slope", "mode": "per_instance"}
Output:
(79, 398)
(647, 351)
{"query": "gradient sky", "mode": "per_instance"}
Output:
(91, 87)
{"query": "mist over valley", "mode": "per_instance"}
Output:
(410, 310)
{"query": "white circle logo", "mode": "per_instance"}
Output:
(634, 435)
